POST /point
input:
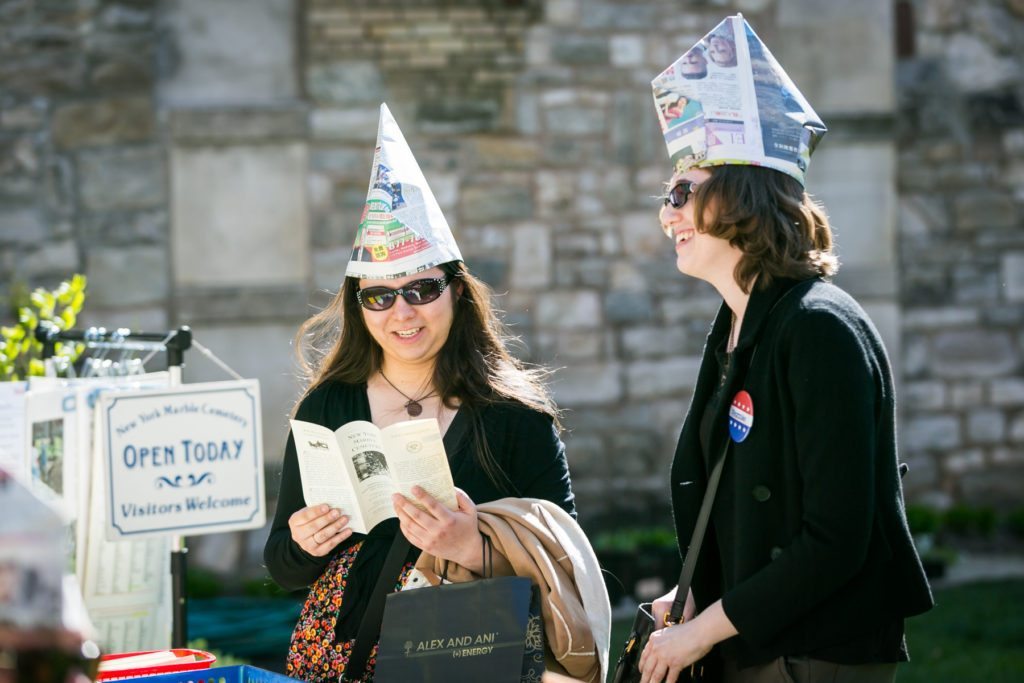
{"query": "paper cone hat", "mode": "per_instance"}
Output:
(402, 230)
(727, 101)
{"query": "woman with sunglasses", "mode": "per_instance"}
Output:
(419, 339)
(807, 569)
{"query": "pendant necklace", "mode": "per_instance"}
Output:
(412, 405)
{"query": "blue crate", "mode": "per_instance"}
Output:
(218, 674)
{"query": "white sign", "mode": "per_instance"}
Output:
(186, 461)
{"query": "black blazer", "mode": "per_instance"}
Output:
(808, 544)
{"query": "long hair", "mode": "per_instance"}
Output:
(474, 367)
(781, 230)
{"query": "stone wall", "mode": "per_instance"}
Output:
(961, 174)
(205, 163)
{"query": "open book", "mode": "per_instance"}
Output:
(357, 468)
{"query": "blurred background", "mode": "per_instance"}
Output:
(205, 162)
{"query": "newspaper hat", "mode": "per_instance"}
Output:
(727, 101)
(402, 230)
(33, 552)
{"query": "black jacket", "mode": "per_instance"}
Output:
(523, 442)
(808, 544)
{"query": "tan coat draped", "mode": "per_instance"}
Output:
(537, 539)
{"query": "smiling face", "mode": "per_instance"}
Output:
(698, 254)
(407, 334)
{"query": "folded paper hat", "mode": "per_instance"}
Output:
(727, 101)
(402, 230)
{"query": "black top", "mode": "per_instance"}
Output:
(808, 544)
(523, 441)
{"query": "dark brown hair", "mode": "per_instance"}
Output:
(474, 368)
(781, 230)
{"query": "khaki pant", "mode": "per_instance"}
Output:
(804, 670)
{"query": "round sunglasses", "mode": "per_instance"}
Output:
(416, 293)
(679, 194)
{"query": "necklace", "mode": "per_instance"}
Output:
(412, 405)
(730, 344)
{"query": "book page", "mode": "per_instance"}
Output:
(327, 474)
(363, 451)
(416, 455)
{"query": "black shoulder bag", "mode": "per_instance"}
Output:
(627, 669)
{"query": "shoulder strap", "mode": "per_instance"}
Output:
(369, 627)
(675, 614)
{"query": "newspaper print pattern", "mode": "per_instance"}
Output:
(402, 230)
(728, 101)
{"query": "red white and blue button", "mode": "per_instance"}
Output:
(741, 416)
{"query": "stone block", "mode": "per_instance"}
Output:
(603, 15)
(1013, 276)
(973, 66)
(490, 203)
(986, 426)
(839, 54)
(966, 394)
(961, 462)
(103, 122)
(227, 57)
(575, 121)
(329, 267)
(931, 431)
(856, 182)
(531, 257)
(581, 50)
(649, 341)
(569, 310)
(642, 236)
(973, 354)
(53, 258)
(503, 153)
(925, 319)
(628, 50)
(236, 124)
(572, 347)
(1007, 392)
(357, 124)
(628, 307)
(127, 276)
(984, 210)
(997, 487)
(667, 377)
(924, 395)
(22, 225)
(346, 83)
(562, 12)
(152, 318)
(121, 228)
(260, 351)
(239, 216)
(128, 178)
(588, 384)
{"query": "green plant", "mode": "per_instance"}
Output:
(923, 519)
(966, 520)
(20, 351)
(1015, 522)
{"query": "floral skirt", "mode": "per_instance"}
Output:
(314, 654)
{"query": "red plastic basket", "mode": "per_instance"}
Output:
(202, 660)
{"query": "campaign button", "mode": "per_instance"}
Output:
(741, 416)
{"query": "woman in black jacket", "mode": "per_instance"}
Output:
(807, 570)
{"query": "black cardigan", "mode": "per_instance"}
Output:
(808, 544)
(523, 441)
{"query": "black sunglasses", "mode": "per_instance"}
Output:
(679, 194)
(416, 293)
